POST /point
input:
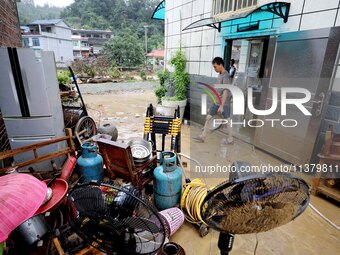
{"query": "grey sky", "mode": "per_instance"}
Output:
(59, 3)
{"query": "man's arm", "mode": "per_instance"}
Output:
(225, 95)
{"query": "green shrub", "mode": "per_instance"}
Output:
(64, 77)
(160, 93)
(88, 66)
(163, 76)
(180, 76)
(143, 75)
(115, 73)
(129, 77)
(101, 65)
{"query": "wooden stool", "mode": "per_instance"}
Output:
(330, 157)
(119, 163)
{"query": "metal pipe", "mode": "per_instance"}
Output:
(75, 82)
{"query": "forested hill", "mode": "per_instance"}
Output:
(123, 17)
(115, 15)
(29, 12)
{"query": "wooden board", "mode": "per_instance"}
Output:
(34, 147)
(330, 192)
(118, 159)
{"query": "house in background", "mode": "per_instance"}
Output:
(277, 44)
(156, 58)
(86, 42)
(50, 35)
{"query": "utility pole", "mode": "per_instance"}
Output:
(146, 42)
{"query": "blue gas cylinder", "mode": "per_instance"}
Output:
(90, 164)
(167, 181)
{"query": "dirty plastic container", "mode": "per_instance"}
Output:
(174, 217)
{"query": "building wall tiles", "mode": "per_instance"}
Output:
(317, 5)
(318, 20)
(304, 15)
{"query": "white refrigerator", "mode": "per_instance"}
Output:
(30, 101)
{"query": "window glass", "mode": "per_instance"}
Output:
(84, 44)
(25, 42)
(35, 42)
(224, 6)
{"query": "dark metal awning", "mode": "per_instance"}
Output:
(159, 12)
(280, 9)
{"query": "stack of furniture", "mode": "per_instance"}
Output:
(330, 161)
(119, 163)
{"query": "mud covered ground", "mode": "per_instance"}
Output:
(125, 105)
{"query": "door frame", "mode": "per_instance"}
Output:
(327, 71)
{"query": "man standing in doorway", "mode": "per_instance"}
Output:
(223, 78)
(232, 69)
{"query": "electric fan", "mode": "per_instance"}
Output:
(253, 204)
(115, 220)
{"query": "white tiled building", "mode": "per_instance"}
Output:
(275, 44)
(50, 35)
(202, 43)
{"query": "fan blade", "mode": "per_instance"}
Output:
(139, 223)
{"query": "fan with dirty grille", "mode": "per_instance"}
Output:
(115, 220)
(253, 204)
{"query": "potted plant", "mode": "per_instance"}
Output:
(173, 87)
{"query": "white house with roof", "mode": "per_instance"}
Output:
(87, 41)
(50, 35)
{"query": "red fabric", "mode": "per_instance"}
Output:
(20, 197)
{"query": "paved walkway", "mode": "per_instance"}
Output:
(101, 88)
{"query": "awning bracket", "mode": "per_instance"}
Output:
(277, 9)
(218, 26)
(281, 9)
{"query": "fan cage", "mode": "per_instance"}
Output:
(115, 220)
(255, 204)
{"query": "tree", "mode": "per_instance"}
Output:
(115, 15)
(156, 41)
(125, 49)
(29, 12)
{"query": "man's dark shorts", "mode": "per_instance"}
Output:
(214, 108)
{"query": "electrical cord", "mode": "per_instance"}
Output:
(192, 199)
(197, 212)
(193, 196)
(197, 162)
(324, 217)
(257, 243)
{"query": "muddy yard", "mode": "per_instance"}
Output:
(125, 105)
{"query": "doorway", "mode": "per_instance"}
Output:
(250, 59)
